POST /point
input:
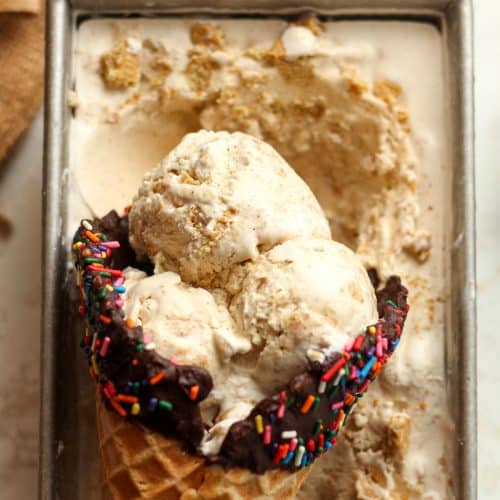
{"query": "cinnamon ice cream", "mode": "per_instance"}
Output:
(219, 199)
(361, 123)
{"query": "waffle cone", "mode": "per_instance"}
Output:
(137, 463)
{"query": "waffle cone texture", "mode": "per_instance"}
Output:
(137, 463)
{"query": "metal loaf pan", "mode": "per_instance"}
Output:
(68, 456)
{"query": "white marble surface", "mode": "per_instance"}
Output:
(20, 199)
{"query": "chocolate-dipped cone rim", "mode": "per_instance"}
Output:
(287, 430)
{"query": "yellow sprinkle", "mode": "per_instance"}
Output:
(136, 408)
(77, 245)
(109, 287)
(259, 424)
(372, 330)
(103, 255)
(94, 365)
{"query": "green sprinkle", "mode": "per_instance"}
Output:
(102, 293)
(136, 386)
(97, 305)
(315, 405)
(392, 304)
(301, 441)
(104, 237)
(140, 346)
(328, 435)
(289, 402)
(332, 391)
(371, 340)
(317, 425)
(122, 313)
(90, 260)
(165, 405)
(320, 450)
(105, 274)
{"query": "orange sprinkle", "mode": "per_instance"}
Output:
(104, 319)
(349, 399)
(130, 322)
(91, 236)
(307, 404)
(193, 392)
(119, 408)
(135, 362)
(159, 376)
(123, 398)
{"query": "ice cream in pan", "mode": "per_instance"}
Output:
(230, 337)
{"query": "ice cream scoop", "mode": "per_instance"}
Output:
(219, 199)
(303, 294)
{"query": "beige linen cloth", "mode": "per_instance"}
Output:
(21, 66)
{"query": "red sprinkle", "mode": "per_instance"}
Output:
(358, 343)
(333, 370)
(110, 388)
(363, 386)
(311, 445)
(321, 440)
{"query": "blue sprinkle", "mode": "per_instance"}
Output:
(395, 343)
(153, 402)
(272, 418)
(288, 458)
(120, 289)
(304, 460)
(328, 445)
(368, 366)
(128, 387)
(370, 352)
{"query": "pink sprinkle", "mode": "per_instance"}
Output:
(119, 303)
(352, 375)
(267, 434)
(337, 406)
(281, 411)
(385, 343)
(110, 244)
(293, 444)
(105, 346)
(146, 338)
(119, 281)
(349, 344)
(378, 350)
